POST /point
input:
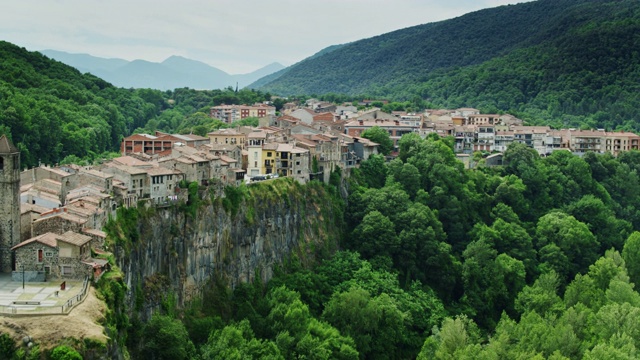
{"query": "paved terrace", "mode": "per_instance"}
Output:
(39, 298)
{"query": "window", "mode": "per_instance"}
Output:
(48, 254)
(40, 253)
(1, 164)
(66, 270)
(269, 154)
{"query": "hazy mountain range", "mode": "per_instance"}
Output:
(174, 72)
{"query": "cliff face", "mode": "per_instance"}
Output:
(236, 239)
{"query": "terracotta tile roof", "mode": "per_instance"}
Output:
(257, 135)
(130, 161)
(194, 137)
(225, 132)
(154, 171)
(74, 238)
(49, 239)
(97, 173)
(127, 169)
(95, 262)
(365, 141)
(227, 159)
(95, 232)
(222, 147)
(26, 207)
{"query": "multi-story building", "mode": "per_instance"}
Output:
(486, 138)
(616, 142)
(503, 139)
(232, 113)
(159, 143)
(255, 140)
(482, 119)
(395, 129)
(227, 137)
(292, 161)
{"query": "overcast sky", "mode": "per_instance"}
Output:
(237, 36)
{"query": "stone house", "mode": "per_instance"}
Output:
(28, 214)
(58, 221)
(46, 186)
(304, 115)
(231, 151)
(53, 256)
(229, 137)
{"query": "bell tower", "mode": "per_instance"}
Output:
(9, 201)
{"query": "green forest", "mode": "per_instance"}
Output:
(535, 259)
(54, 114)
(565, 63)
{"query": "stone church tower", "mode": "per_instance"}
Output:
(9, 201)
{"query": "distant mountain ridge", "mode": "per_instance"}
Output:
(174, 72)
(560, 62)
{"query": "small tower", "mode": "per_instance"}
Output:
(9, 201)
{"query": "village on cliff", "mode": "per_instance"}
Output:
(52, 216)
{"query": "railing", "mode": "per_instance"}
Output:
(35, 308)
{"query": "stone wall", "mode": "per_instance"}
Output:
(56, 224)
(9, 207)
(27, 256)
(78, 269)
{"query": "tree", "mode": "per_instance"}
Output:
(375, 323)
(542, 297)
(491, 282)
(7, 346)
(610, 231)
(451, 339)
(237, 341)
(572, 236)
(408, 145)
(167, 338)
(374, 171)
(381, 137)
(409, 178)
(631, 255)
(64, 352)
(375, 236)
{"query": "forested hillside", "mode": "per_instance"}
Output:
(563, 62)
(52, 112)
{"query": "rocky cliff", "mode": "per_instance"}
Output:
(235, 237)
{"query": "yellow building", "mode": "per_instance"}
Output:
(269, 158)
